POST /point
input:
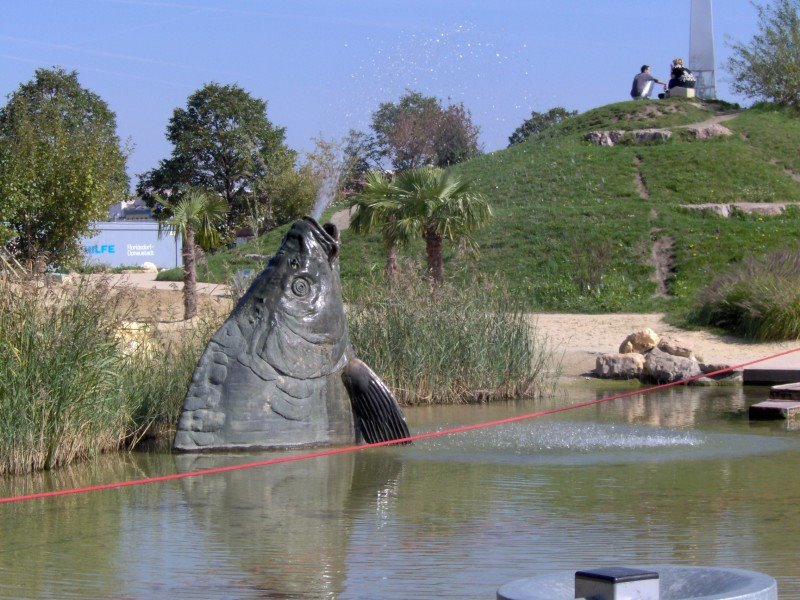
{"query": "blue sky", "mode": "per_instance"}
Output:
(323, 66)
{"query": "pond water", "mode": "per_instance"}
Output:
(679, 477)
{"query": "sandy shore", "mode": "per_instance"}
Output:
(576, 339)
(580, 338)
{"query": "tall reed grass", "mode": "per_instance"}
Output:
(68, 387)
(758, 299)
(449, 344)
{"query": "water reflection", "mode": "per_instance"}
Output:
(681, 477)
(288, 524)
(683, 406)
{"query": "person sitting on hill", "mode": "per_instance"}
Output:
(643, 83)
(680, 76)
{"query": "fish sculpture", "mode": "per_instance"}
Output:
(280, 372)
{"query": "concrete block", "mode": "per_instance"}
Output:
(774, 409)
(617, 583)
(787, 391)
(682, 92)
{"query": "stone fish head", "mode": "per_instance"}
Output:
(293, 313)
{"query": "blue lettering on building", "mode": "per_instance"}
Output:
(131, 244)
(100, 249)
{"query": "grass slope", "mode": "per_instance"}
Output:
(572, 231)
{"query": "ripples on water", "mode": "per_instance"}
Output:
(585, 437)
(590, 443)
(451, 517)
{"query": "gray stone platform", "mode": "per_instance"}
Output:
(787, 391)
(675, 583)
(774, 409)
(780, 370)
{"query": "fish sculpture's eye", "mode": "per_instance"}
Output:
(295, 264)
(300, 287)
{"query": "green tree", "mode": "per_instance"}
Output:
(290, 195)
(196, 218)
(427, 202)
(769, 65)
(360, 154)
(538, 122)
(223, 141)
(418, 131)
(61, 166)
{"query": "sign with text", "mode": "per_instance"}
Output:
(131, 243)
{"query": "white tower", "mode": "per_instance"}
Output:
(701, 48)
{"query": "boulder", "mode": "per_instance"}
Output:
(642, 136)
(675, 346)
(768, 209)
(149, 267)
(604, 138)
(637, 136)
(619, 366)
(639, 341)
(660, 367)
(713, 367)
(726, 377)
(704, 132)
(722, 210)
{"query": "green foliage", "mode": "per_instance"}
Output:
(291, 194)
(570, 230)
(155, 379)
(196, 218)
(201, 213)
(419, 131)
(443, 347)
(70, 385)
(768, 67)
(635, 114)
(223, 141)
(58, 399)
(757, 298)
(361, 154)
(773, 131)
(61, 166)
(682, 173)
(538, 122)
(426, 202)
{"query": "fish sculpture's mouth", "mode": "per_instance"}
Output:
(327, 236)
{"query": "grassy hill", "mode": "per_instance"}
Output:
(581, 228)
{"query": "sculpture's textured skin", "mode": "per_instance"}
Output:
(271, 376)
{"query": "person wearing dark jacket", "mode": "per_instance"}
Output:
(680, 76)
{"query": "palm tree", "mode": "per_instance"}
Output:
(428, 202)
(377, 207)
(195, 218)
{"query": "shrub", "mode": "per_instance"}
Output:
(71, 386)
(58, 383)
(769, 65)
(449, 345)
(154, 380)
(757, 299)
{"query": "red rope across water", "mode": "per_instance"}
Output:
(348, 449)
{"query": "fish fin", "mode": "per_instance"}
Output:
(377, 414)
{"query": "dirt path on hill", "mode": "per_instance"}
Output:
(715, 120)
